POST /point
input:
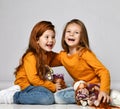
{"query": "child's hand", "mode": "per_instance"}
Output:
(103, 97)
(58, 86)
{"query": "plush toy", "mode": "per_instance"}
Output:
(49, 73)
(86, 94)
(56, 78)
(59, 78)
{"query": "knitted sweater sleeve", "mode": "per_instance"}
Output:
(55, 59)
(31, 73)
(100, 70)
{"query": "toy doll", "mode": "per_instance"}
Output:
(93, 94)
(85, 95)
(49, 73)
(59, 78)
(81, 93)
(56, 78)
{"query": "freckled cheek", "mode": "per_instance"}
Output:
(66, 35)
(65, 38)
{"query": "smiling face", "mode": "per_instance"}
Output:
(72, 35)
(47, 40)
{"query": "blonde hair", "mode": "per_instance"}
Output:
(84, 41)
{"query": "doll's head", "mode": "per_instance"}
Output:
(81, 92)
(49, 73)
(80, 85)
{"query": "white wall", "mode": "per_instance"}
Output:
(101, 17)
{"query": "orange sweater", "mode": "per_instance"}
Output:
(27, 75)
(85, 66)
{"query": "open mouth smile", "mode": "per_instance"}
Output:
(71, 39)
(49, 45)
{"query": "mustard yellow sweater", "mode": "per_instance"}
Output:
(81, 66)
(85, 66)
(27, 75)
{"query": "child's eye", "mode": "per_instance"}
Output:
(53, 37)
(77, 32)
(46, 37)
(67, 31)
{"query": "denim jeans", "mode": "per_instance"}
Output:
(65, 96)
(34, 95)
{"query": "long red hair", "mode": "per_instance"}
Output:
(33, 47)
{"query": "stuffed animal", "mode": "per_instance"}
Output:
(49, 73)
(55, 78)
(59, 78)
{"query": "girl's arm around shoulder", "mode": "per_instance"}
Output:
(55, 59)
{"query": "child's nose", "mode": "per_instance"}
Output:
(71, 33)
(50, 39)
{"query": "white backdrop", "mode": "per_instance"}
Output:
(17, 18)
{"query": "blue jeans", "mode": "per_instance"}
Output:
(34, 95)
(65, 96)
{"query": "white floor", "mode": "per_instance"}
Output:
(55, 106)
